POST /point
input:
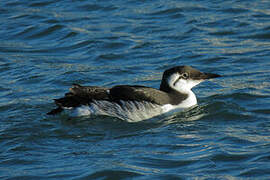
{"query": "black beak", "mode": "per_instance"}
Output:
(208, 76)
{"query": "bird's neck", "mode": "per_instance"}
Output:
(190, 101)
(177, 97)
(165, 87)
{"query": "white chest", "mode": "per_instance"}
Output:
(189, 102)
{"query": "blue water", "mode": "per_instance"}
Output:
(46, 46)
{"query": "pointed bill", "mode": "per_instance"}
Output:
(204, 76)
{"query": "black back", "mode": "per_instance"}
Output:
(83, 95)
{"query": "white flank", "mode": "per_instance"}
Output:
(131, 111)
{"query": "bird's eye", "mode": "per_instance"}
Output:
(185, 75)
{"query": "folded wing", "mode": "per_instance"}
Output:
(79, 95)
(138, 93)
(84, 95)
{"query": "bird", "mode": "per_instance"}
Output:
(135, 102)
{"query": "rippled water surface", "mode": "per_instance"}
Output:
(46, 46)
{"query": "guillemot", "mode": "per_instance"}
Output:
(135, 102)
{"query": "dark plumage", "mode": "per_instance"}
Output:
(84, 95)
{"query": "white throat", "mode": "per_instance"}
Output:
(184, 86)
(190, 101)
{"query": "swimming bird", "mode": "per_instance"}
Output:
(135, 102)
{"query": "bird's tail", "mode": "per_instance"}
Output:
(55, 111)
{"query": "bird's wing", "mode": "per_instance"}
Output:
(138, 93)
(90, 92)
(82, 95)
